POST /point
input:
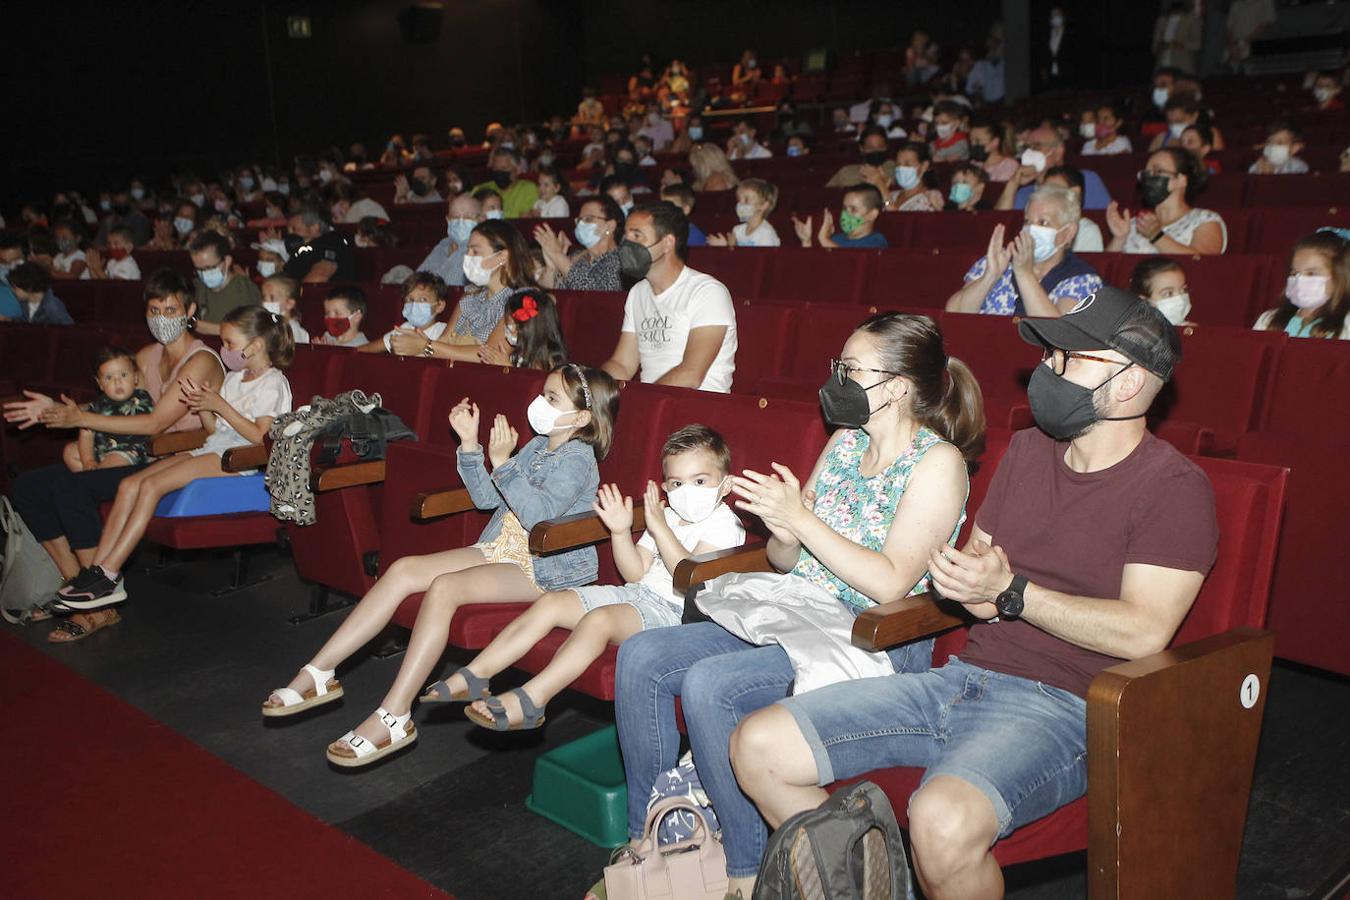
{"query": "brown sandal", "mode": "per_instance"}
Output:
(72, 631)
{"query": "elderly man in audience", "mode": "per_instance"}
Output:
(1045, 150)
(1037, 274)
(446, 259)
(318, 253)
(679, 325)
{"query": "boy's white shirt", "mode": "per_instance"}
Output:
(721, 530)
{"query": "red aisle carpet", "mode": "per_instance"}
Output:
(99, 799)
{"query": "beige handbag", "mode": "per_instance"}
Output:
(695, 869)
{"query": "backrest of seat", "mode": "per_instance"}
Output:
(759, 431)
(591, 321)
(403, 383)
(962, 230)
(740, 269)
(1311, 190)
(1277, 230)
(1248, 499)
(815, 274)
(311, 373)
(916, 278)
(1001, 361)
(80, 298)
(28, 355)
(121, 301)
(643, 425)
(764, 332)
(497, 390)
(1226, 290)
(1221, 381)
(1310, 381)
(822, 329)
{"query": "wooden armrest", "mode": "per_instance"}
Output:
(888, 625)
(430, 505)
(571, 532)
(1172, 741)
(706, 566)
(332, 478)
(176, 441)
(244, 459)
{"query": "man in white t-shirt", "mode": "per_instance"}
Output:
(679, 325)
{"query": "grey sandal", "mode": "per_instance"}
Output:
(532, 715)
(440, 691)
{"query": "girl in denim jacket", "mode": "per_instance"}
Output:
(553, 475)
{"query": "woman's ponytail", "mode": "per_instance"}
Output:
(959, 416)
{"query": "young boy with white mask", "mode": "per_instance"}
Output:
(696, 465)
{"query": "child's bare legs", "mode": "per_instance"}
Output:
(556, 609)
(406, 576)
(592, 632)
(70, 455)
(490, 583)
(153, 483)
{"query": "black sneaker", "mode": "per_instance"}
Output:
(81, 581)
(100, 591)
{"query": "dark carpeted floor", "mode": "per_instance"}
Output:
(451, 809)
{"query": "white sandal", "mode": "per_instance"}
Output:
(326, 689)
(402, 733)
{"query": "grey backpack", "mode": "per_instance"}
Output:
(848, 848)
(28, 577)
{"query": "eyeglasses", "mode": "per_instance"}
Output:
(842, 370)
(1060, 359)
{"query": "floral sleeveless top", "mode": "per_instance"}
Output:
(862, 508)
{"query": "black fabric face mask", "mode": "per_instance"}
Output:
(979, 152)
(1153, 189)
(1062, 409)
(501, 179)
(418, 187)
(846, 405)
(634, 260)
(875, 159)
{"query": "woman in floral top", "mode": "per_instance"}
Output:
(889, 487)
(595, 267)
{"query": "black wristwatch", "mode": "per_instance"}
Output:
(1010, 602)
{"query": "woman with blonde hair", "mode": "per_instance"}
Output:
(712, 170)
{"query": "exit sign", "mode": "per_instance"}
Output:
(298, 27)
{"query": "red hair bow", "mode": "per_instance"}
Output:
(528, 310)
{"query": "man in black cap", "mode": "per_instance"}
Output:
(1090, 548)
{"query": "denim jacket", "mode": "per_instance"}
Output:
(537, 485)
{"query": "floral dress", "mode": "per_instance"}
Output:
(862, 508)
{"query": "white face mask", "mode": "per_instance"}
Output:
(1034, 158)
(1160, 95)
(267, 268)
(272, 306)
(695, 502)
(543, 417)
(1175, 308)
(744, 211)
(1176, 129)
(1323, 94)
(1276, 154)
(494, 214)
(1306, 291)
(946, 130)
(1087, 130)
(476, 272)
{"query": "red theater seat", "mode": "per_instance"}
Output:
(820, 275)
(740, 269)
(1221, 382)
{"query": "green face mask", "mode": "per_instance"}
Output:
(848, 222)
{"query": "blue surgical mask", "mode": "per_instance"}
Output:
(959, 193)
(460, 229)
(588, 234)
(494, 214)
(906, 176)
(1043, 237)
(794, 150)
(212, 278)
(695, 132)
(627, 208)
(418, 315)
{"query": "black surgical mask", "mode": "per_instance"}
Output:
(418, 186)
(501, 179)
(1063, 409)
(846, 405)
(1154, 189)
(875, 158)
(979, 152)
(634, 260)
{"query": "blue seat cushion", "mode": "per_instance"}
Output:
(217, 496)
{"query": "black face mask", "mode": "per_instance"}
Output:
(634, 260)
(846, 405)
(1062, 409)
(624, 170)
(979, 152)
(501, 179)
(121, 209)
(1154, 189)
(418, 187)
(876, 158)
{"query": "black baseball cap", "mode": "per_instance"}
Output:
(1111, 319)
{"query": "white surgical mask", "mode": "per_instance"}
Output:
(1176, 129)
(182, 225)
(272, 306)
(744, 211)
(1043, 237)
(137, 193)
(543, 417)
(1276, 154)
(946, 130)
(199, 199)
(1160, 95)
(1087, 130)
(695, 132)
(476, 272)
(906, 176)
(1323, 94)
(884, 120)
(1175, 308)
(512, 336)
(1306, 291)
(695, 502)
(267, 268)
(1034, 158)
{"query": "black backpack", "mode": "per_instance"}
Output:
(848, 848)
(368, 433)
